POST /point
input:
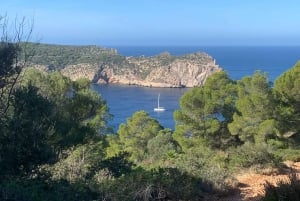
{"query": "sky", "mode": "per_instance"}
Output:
(160, 22)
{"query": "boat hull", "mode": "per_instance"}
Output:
(159, 109)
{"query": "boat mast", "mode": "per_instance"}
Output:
(158, 101)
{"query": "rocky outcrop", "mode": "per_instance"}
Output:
(163, 70)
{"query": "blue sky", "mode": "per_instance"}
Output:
(160, 22)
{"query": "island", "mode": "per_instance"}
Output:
(106, 66)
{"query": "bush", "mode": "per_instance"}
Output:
(156, 184)
(288, 154)
(250, 155)
(208, 166)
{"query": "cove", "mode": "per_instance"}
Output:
(124, 100)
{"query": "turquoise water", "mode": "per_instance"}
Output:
(123, 101)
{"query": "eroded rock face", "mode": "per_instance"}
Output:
(163, 70)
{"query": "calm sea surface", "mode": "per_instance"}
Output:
(123, 101)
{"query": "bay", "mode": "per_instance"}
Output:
(124, 100)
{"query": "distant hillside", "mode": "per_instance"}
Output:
(57, 57)
(105, 65)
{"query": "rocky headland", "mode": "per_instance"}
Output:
(101, 65)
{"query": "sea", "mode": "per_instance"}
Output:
(124, 100)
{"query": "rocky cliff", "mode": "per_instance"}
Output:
(101, 65)
(159, 71)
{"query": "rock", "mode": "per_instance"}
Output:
(174, 71)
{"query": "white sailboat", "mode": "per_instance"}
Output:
(159, 108)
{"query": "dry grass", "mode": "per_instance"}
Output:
(251, 185)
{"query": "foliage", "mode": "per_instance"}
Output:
(52, 85)
(23, 143)
(58, 56)
(205, 112)
(156, 184)
(117, 165)
(161, 149)
(81, 114)
(114, 145)
(287, 91)
(288, 154)
(135, 134)
(249, 155)
(207, 165)
(79, 162)
(254, 119)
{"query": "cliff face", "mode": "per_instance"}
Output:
(159, 71)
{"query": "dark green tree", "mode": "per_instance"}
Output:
(52, 85)
(205, 112)
(80, 162)
(135, 134)
(81, 114)
(117, 165)
(161, 149)
(287, 92)
(23, 140)
(254, 119)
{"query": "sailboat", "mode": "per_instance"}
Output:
(158, 108)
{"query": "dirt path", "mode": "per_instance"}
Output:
(251, 186)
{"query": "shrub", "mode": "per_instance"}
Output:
(288, 154)
(250, 155)
(156, 184)
(208, 166)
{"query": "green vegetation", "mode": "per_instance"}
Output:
(58, 56)
(205, 112)
(55, 143)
